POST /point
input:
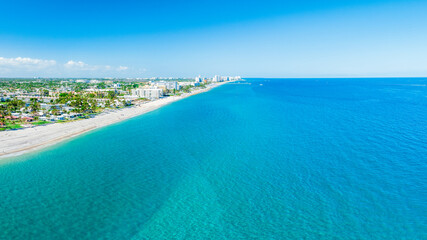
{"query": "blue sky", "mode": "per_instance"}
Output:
(183, 39)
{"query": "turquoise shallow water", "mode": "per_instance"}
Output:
(291, 159)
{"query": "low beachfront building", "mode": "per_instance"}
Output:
(150, 93)
(27, 119)
(187, 83)
(169, 85)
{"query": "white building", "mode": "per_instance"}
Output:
(216, 79)
(94, 81)
(198, 79)
(82, 81)
(170, 85)
(150, 93)
(183, 84)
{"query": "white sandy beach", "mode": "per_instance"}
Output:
(20, 141)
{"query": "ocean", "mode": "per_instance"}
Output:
(269, 159)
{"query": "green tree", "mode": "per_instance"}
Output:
(35, 105)
(93, 105)
(15, 104)
(54, 111)
(102, 85)
(111, 94)
(3, 112)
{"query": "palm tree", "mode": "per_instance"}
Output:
(3, 113)
(35, 105)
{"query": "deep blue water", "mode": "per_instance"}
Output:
(288, 159)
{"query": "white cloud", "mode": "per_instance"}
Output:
(79, 65)
(122, 68)
(23, 66)
(26, 63)
(73, 64)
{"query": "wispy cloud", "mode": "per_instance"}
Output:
(26, 63)
(79, 65)
(74, 64)
(24, 66)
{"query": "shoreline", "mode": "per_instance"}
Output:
(18, 142)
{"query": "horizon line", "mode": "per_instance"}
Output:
(353, 77)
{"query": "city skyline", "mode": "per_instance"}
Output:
(276, 39)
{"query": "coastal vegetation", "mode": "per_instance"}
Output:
(34, 102)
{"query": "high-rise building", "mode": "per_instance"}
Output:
(216, 79)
